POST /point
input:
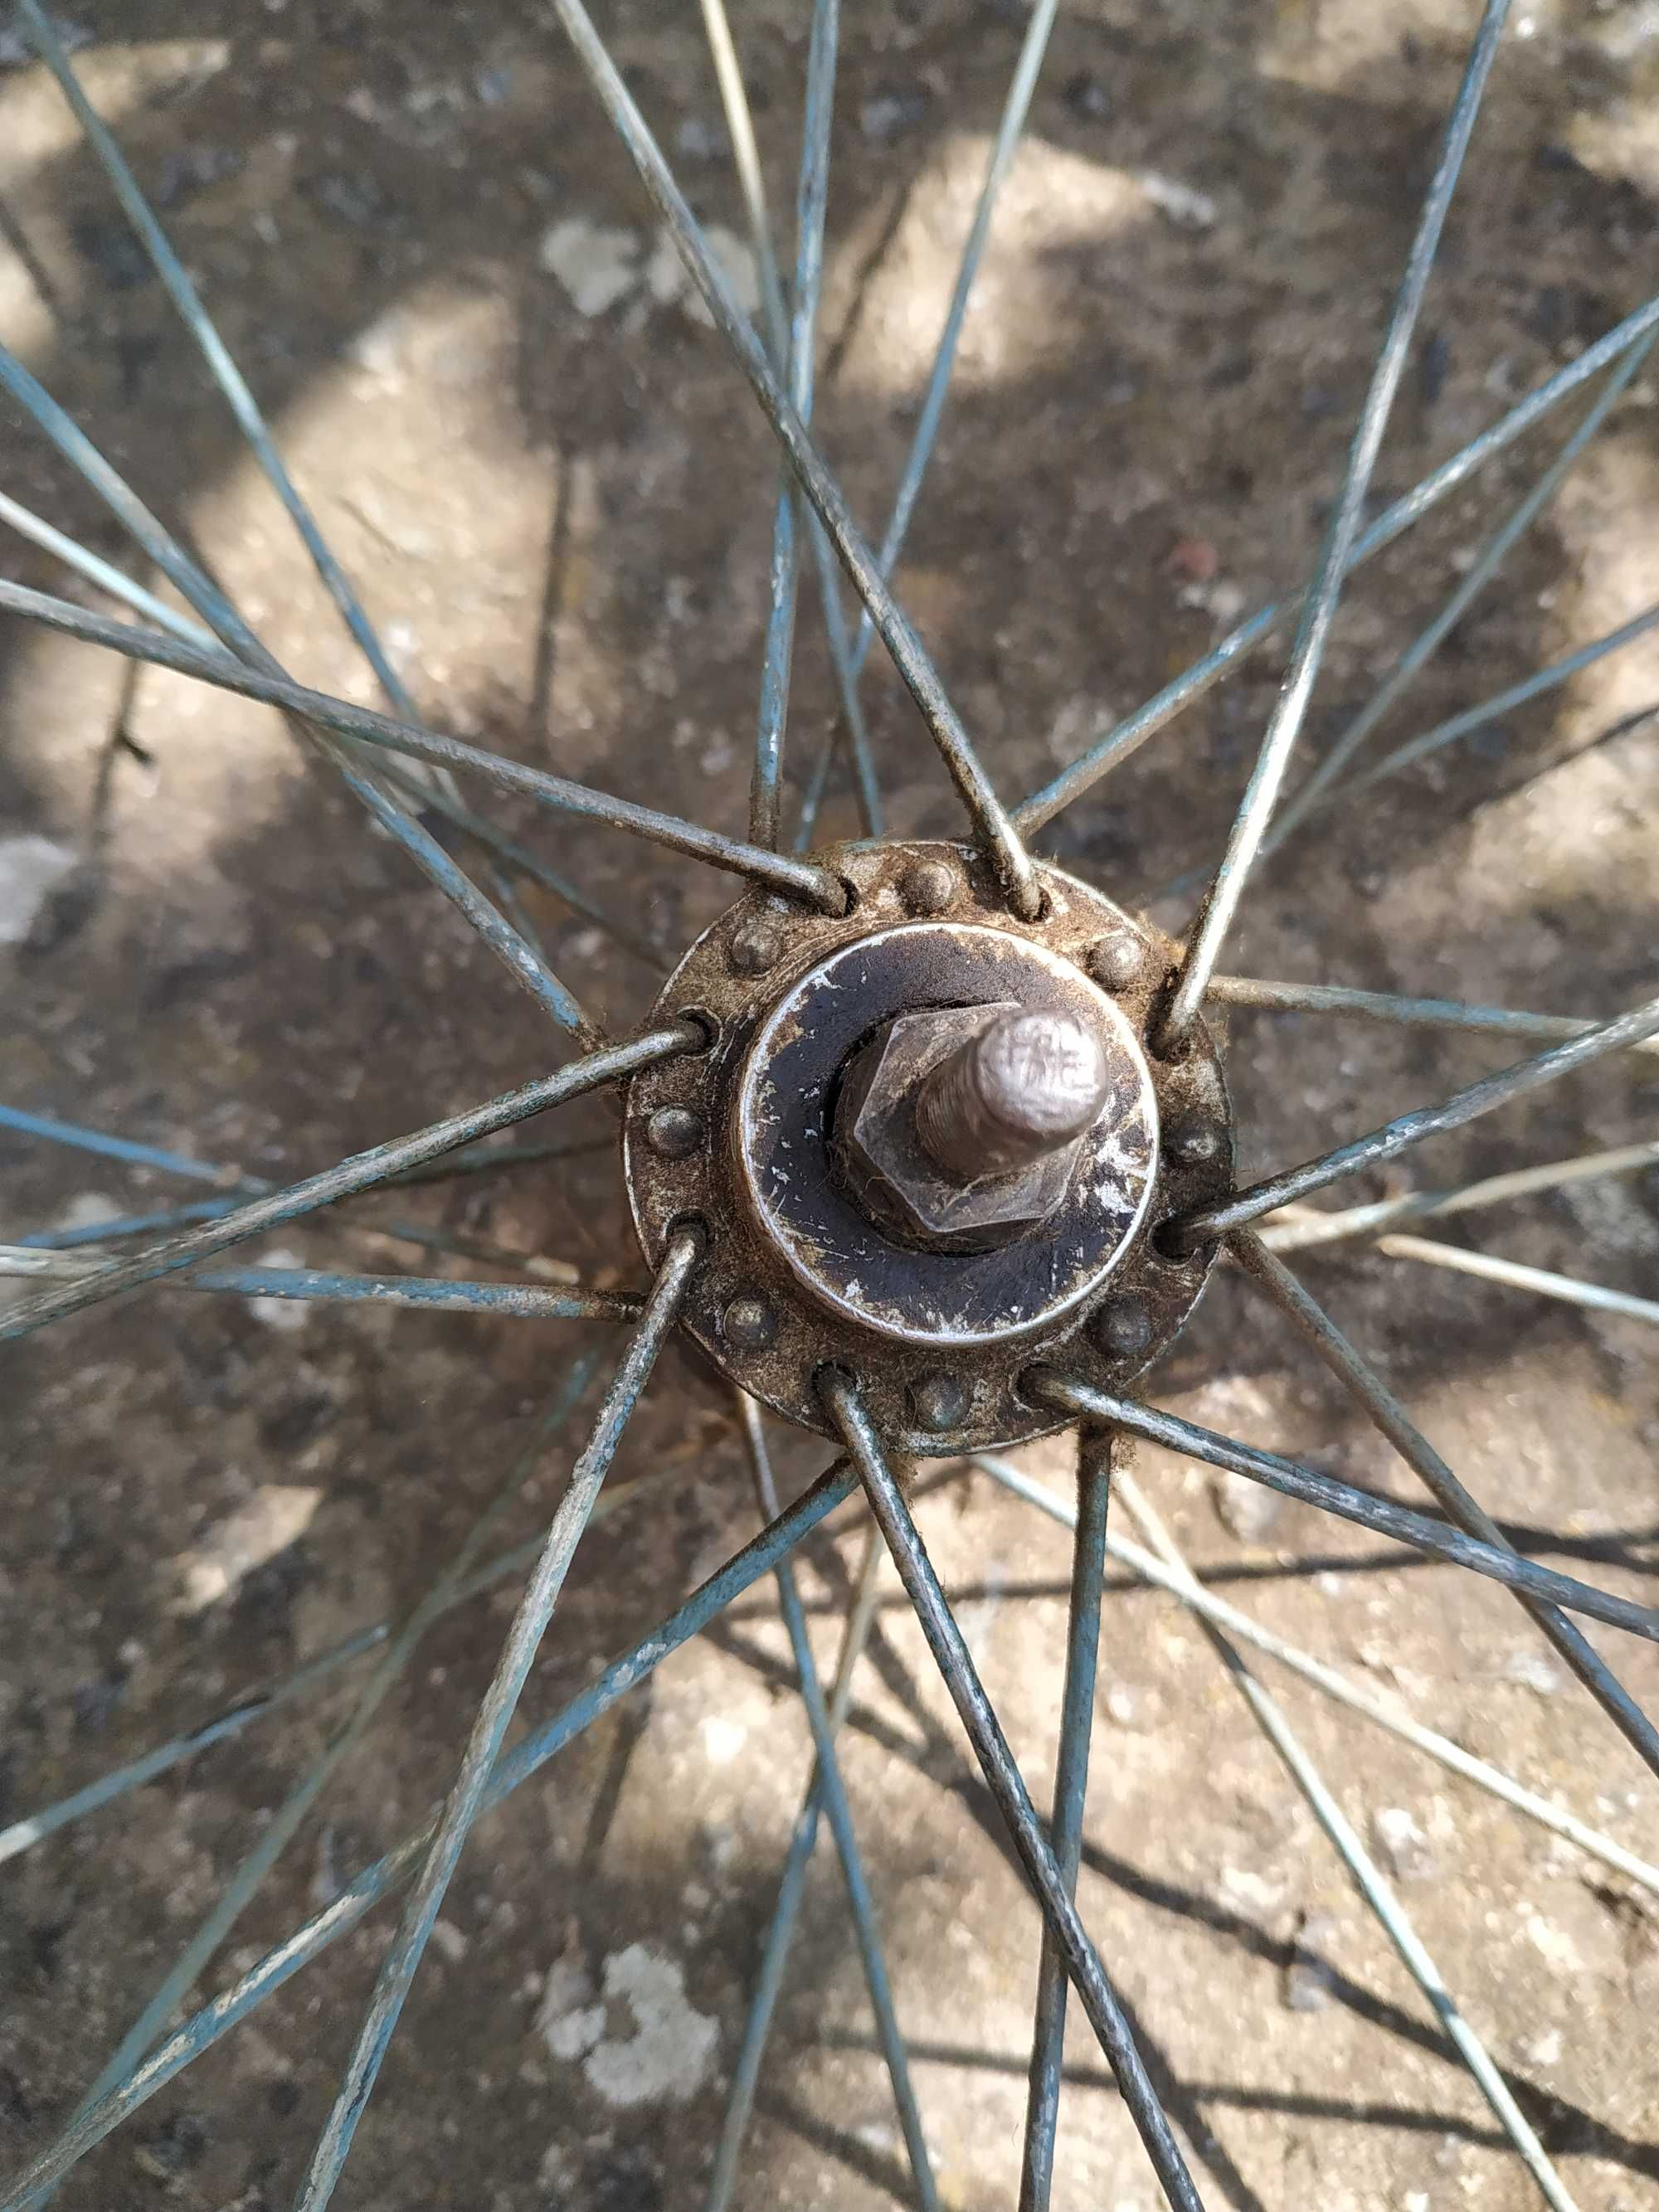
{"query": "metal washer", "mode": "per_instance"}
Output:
(749, 1307)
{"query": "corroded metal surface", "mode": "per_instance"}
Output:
(798, 1271)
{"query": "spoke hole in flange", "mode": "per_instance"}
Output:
(694, 1224)
(1170, 1242)
(701, 1020)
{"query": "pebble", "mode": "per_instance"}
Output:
(1308, 1979)
(1398, 1841)
(596, 264)
(31, 869)
(1184, 205)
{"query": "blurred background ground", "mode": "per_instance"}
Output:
(436, 268)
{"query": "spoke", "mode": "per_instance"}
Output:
(1484, 567)
(1366, 1875)
(1302, 1227)
(793, 877)
(793, 351)
(1010, 130)
(1386, 1007)
(1247, 1630)
(1490, 710)
(1319, 608)
(223, 370)
(249, 1877)
(217, 610)
(1363, 1383)
(434, 1293)
(1549, 1285)
(360, 1172)
(123, 1225)
(1127, 737)
(1380, 1514)
(259, 1705)
(792, 1883)
(500, 1700)
(830, 1790)
(944, 1640)
(991, 827)
(104, 574)
(204, 2028)
(122, 1148)
(1077, 1712)
(1397, 1136)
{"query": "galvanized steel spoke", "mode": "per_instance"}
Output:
(500, 1700)
(1006, 1785)
(1485, 566)
(1010, 130)
(204, 2028)
(1300, 1227)
(1509, 1272)
(249, 1877)
(831, 1791)
(1387, 1006)
(1380, 1514)
(1365, 1874)
(1407, 1129)
(225, 373)
(798, 879)
(1246, 1629)
(1363, 1383)
(791, 1884)
(104, 574)
(1127, 737)
(1077, 1713)
(363, 1171)
(432, 1294)
(1215, 915)
(259, 1705)
(991, 827)
(56, 1132)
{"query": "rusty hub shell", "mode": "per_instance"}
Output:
(745, 1137)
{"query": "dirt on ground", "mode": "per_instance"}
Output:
(539, 466)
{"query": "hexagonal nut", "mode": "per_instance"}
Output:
(894, 1180)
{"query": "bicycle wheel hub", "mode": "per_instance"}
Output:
(930, 1143)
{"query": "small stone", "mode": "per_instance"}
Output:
(1193, 559)
(1544, 2050)
(449, 1941)
(172, 2149)
(1309, 1978)
(669, 283)
(1398, 1841)
(194, 169)
(1183, 204)
(31, 868)
(1534, 1670)
(353, 197)
(283, 1313)
(1247, 1510)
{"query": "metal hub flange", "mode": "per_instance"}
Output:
(802, 1267)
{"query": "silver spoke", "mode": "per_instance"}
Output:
(1387, 1006)
(1127, 737)
(1380, 1514)
(1365, 1874)
(1362, 1383)
(792, 1883)
(1077, 1713)
(1485, 566)
(102, 572)
(1245, 1629)
(830, 1790)
(205, 2027)
(1509, 1272)
(991, 827)
(1099, 2000)
(795, 877)
(360, 1172)
(1220, 903)
(467, 1797)
(1407, 1129)
(1300, 1227)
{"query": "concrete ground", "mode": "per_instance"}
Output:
(420, 241)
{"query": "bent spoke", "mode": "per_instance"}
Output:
(1220, 901)
(991, 827)
(360, 1172)
(1380, 1514)
(944, 1640)
(1397, 1136)
(795, 877)
(1362, 1383)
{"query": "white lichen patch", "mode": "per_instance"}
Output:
(658, 2047)
(596, 264)
(31, 869)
